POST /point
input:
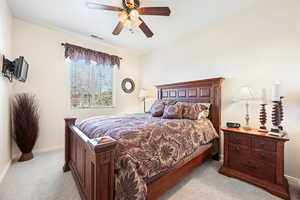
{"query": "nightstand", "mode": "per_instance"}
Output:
(257, 158)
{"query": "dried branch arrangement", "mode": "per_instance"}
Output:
(25, 124)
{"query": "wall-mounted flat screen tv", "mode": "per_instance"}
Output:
(4, 67)
(21, 69)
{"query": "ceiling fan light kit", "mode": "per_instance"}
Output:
(129, 16)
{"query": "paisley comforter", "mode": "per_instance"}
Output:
(147, 146)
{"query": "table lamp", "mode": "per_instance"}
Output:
(246, 95)
(144, 94)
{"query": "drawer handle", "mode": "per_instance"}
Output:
(263, 156)
(237, 149)
(250, 166)
(237, 140)
(262, 144)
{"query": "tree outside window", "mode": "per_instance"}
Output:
(91, 85)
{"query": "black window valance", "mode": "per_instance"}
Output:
(76, 53)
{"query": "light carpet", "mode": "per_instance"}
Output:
(42, 179)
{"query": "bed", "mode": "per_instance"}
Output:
(125, 166)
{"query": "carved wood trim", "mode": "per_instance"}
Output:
(201, 91)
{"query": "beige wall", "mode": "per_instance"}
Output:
(5, 86)
(255, 47)
(49, 78)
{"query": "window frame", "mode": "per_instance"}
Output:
(114, 88)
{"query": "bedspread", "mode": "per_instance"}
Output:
(147, 146)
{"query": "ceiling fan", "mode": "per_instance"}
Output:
(129, 15)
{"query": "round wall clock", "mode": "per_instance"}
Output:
(128, 85)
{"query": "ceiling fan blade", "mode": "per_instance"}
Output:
(162, 11)
(143, 26)
(118, 29)
(98, 6)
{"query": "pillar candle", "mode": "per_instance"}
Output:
(276, 92)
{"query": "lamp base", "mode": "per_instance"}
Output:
(247, 128)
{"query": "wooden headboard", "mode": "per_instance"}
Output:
(201, 91)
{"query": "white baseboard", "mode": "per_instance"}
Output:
(56, 148)
(293, 179)
(3, 173)
(39, 151)
(221, 157)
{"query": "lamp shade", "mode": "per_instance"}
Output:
(245, 94)
(151, 94)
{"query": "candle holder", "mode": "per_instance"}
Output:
(276, 119)
(281, 113)
(263, 118)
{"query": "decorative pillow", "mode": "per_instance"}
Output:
(205, 113)
(195, 111)
(157, 109)
(170, 102)
(173, 111)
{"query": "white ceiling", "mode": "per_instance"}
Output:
(72, 15)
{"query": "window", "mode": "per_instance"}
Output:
(91, 85)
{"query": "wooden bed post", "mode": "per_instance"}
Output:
(91, 162)
(68, 123)
(216, 116)
(102, 170)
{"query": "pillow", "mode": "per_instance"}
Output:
(173, 111)
(195, 111)
(205, 113)
(170, 102)
(157, 109)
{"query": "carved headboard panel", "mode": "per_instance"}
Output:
(202, 91)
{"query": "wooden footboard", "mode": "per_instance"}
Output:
(91, 163)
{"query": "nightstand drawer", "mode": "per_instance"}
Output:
(254, 168)
(238, 163)
(264, 156)
(264, 144)
(236, 138)
(263, 171)
(238, 151)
